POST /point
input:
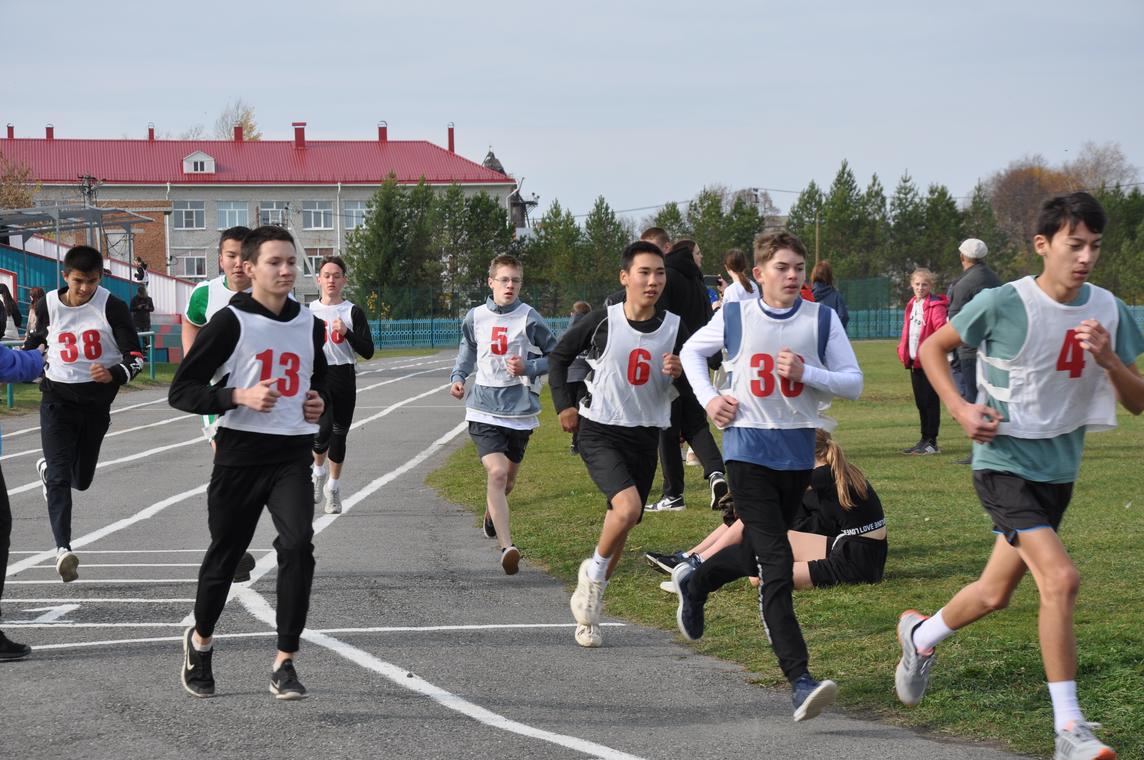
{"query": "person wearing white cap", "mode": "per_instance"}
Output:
(976, 278)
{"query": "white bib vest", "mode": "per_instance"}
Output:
(498, 337)
(1055, 386)
(218, 296)
(627, 386)
(78, 337)
(765, 399)
(336, 348)
(270, 349)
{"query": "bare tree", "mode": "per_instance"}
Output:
(234, 114)
(196, 132)
(1097, 166)
(1016, 193)
(17, 188)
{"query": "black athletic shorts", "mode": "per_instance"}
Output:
(849, 560)
(494, 439)
(1017, 505)
(619, 457)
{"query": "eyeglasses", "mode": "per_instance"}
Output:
(508, 280)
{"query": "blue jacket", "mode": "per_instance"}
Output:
(20, 366)
(514, 400)
(826, 294)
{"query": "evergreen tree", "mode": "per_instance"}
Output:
(373, 249)
(670, 219)
(742, 223)
(874, 231)
(605, 237)
(907, 229)
(978, 221)
(841, 220)
(942, 234)
(707, 222)
(803, 215)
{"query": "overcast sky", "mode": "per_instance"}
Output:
(641, 102)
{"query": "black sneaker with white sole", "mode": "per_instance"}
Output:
(197, 676)
(665, 563)
(284, 683)
(488, 528)
(719, 489)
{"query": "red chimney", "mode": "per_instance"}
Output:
(451, 145)
(382, 132)
(11, 132)
(151, 131)
(50, 132)
(238, 133)
(299, 134)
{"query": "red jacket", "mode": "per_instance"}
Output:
(934, 314)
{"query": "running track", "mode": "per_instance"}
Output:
(419, 646)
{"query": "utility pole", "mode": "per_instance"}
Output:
(87, 187)
(816, 237)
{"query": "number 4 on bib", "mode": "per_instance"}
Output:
(1071, 358)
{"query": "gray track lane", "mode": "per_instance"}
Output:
(394, 574)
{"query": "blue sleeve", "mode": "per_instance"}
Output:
(466, 351)
(20, 366)
(1129, 341)
(732, 327)
(540, 335)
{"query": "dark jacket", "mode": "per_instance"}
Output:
(972, 281)
(685, 294)
(827, 295)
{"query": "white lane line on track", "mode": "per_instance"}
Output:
(271, 634)
(125, 431)
(257, 605)
(373, 629)
(118, 525)
(132, 551)
(6, 436)
(395, 379)
(89, 565)
(130, 458)
(261, 609)
(102, 581)
(101, 600)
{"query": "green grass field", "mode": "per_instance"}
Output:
(988, 681)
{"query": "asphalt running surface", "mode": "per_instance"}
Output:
(418, 645)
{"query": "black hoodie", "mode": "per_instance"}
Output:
(192, 391)
(685, 294)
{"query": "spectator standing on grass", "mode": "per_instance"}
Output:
(1052, 337)
(822, 278)
(924, 314)
(34, 296)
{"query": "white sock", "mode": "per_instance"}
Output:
(201, 647)
(320, 469)
(1065, 708)
(697, 555)
(61, 550)
(598, 570)
(930, 633)
(332, 484)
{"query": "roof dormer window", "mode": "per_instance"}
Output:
(198, 163)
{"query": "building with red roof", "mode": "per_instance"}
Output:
(194, 188)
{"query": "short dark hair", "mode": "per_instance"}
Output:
(657, 235)
(684, 244)
(238, 233)
(265, 234)
(1070, 210)
(83, 258)
(581, 307)
(333, 260)
(767, 243)
(635, 249)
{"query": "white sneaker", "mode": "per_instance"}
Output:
(589, 636)
(333, 500)
(588, 599)
(1078, 743)
(67, 565)
(319, 482)
(668, 586)
(42, 472)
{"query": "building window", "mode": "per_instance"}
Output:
(317, 215)
(353, 213)
(190, 215)
(274, 212)
(313, 260)
(232, 214)
(190, 264)
(198, 166)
